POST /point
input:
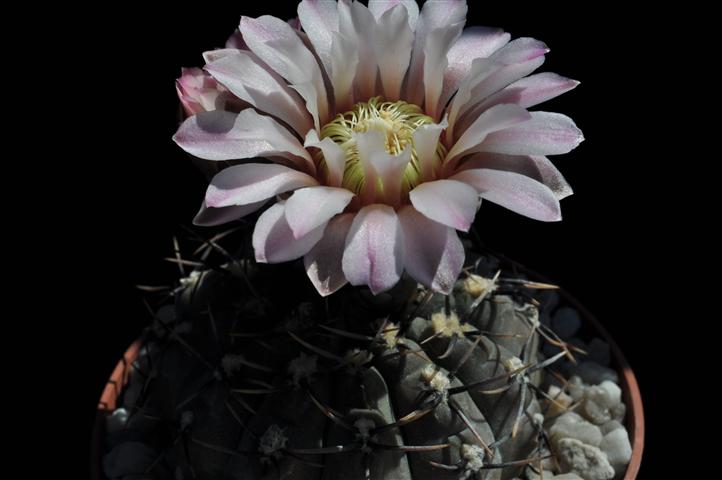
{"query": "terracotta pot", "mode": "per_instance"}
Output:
(107, 404)
(630, 391)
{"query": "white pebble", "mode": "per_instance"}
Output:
(618, 412)
(616, 446)
(576, 388)
(115, 422)
(561, 402)
(593, 374)
(598, 402)
(610, 426)
(587, 461)
(571, 425)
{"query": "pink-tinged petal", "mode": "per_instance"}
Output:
(253, 182)
(495, 119)
(426, 138)
(222, 135)
(198, 92)
(373, 253)
(545, 134)
(324, 261)
(521, 50)
(358, 25)
(344, 63)
(310, 207)
(333, 156)
(487, 76)
(390, 170)
(319, 20)
(244, 75)
(393, 41)
(383, 172)
(449, 202)
(211, 56)
(369, 144)
(279, 46)
(480, 69)
(530, 91)
(475, 42)
(310, 93)
(435, 14)
(516, 192)
(438, 43)
(235, 41)
(434, 254)
(273, 240)
(209, 216)
(538, 167)
(379, 7)
(294, 23)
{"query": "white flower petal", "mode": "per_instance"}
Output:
(426, 138)
(333, 155)
(438, 43)
(344, 63)
(244, 75)
(273, 240)
(530, 91)
(220, 135)
(313, 206)
(487, 76)
(373, 253)
(495, 119)
(393, 41)
(380, 167)
(433, 253)
(279, 46)
(214, 55)
(209, 216)
(319, 19)
(516, 192)
(253, 182)
(435, 14)
(324, 262)
(449, 202)
(474, 42)
(358, 25)
(538, 167)
(379, 7)
(369, 145)
(546, 133)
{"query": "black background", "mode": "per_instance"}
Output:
(135, 186)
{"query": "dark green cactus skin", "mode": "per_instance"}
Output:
(414, 402)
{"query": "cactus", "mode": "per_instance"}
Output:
(244, 375)
(365, 139)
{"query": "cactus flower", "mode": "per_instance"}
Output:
(373, 133)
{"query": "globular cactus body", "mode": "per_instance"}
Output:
(261, 383)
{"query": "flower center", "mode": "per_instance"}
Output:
(396, 120)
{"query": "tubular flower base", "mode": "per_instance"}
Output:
(381, 129)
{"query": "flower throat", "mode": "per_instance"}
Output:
(397, 121)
